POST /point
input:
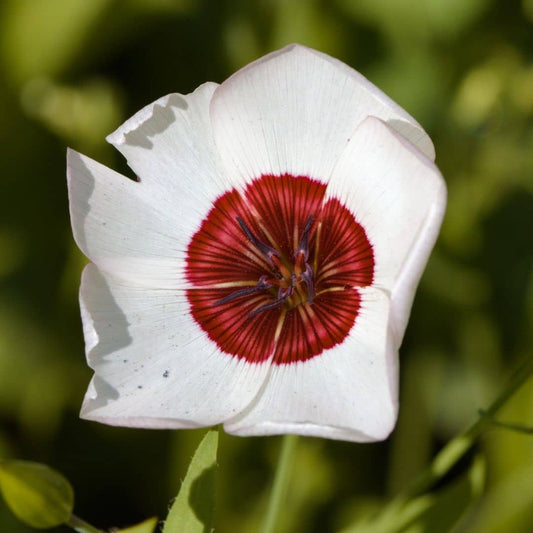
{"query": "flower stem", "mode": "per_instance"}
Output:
(519, 428)
(457, 447)
(281, 483)
(81, 526)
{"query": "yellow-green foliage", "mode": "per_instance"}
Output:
(71, 71)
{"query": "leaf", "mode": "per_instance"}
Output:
(193, 509)
(434, 512)
(148, 526)
(36, 494)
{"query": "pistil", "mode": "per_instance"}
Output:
(290, 282)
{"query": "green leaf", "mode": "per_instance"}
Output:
(37, 495)
(148, 526)
(193, 509)
(434, 512)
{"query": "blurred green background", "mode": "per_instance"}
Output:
(72, 70)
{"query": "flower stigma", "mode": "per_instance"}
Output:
(291, 283)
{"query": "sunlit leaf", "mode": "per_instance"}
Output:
(193, 509)
(148, 526)
(37, 495)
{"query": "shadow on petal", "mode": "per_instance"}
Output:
(106, 331)
(103, 394)
(162, 117)
(414, 135)
(103, 319)
(84, 190)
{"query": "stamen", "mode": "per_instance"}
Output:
(308, 278)
(285, 292)
(266, 307)
(283, 270)
(266, 250)
(262, 284)
(288, 279)
(303, 245)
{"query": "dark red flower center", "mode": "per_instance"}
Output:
(292, 281)
(275, 270)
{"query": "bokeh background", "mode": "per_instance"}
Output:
(72, 70)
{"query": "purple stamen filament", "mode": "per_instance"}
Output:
(292, 282)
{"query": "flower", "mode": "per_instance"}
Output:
(261, 270)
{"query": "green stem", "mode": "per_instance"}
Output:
(81, 526)
(519, 428)
(280, 484)
(456, 448)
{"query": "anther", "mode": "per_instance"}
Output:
(303, 245)
(286, 279)
(266, 250)
(308, 278)
(271, 305)
(262, 284)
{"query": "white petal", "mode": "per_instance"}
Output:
(293, 111)
(141, 230)
(348, 392)
(124, 226)
(169, 145)
(398, 196)
(154, 367)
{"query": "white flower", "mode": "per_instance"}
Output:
(261, 271)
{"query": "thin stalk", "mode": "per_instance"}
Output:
(281, 483)
(519, 428)
(457, 447)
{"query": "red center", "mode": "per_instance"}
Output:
(275, 270)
